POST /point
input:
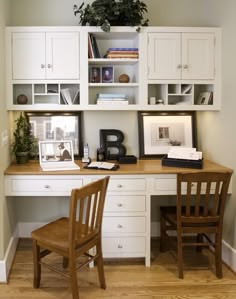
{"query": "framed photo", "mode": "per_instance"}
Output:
(95, 74)
(159, 131)
(205, 98)
(55, 126)
(107, 74)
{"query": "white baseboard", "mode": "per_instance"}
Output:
(5, 265)
(229, 255)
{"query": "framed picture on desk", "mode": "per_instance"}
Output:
(159, 131)
(54, 126)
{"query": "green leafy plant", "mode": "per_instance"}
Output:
(106, 13)
(24, 141)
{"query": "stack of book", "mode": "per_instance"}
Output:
(111, 98)
(93, 50)
(122, 53)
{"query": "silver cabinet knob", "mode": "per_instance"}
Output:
(119, 186)
(179, 66)
(42, 66)
(49, 66)
(185, 66)
(120, 246)
(119, 226)
(119, 204)
(46, 186)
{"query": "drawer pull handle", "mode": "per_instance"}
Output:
(120, 246)
(119, 186)
(119, 225)
(46, 186)
(119, 204)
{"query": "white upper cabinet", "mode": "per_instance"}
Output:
(167, 68)
(28, 55)
(181, 56)
(40, 55)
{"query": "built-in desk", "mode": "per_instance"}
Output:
(126, 224)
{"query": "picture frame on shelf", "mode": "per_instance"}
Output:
(54, 126)
(95, 74)
(107, 74)
(159, 131)
(205, 98)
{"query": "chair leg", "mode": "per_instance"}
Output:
(218, 257)
(180, 255)
(65, 262)
(162, 233)
(100, 266)
(73, 279)
(199, 240)
(37, 266)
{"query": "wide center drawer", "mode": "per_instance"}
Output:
(123, 225)
(127, 185)
(42, 185)
(125, 203)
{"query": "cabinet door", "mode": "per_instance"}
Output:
(198, 56)
(28, 55)
(62, 55)
(164, 56)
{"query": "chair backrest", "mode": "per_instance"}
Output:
(201, 199)
(86, 211)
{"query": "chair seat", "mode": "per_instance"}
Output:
(170, 214)
(56, 234)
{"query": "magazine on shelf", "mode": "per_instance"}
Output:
(67, 97)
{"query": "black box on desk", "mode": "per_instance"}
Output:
(182, 163)
(129, 159)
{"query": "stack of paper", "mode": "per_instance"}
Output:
(188, 153)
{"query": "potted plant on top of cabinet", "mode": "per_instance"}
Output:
(24, 144)
(106, 13)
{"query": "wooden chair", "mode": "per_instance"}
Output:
(75, 235)
(199, 211)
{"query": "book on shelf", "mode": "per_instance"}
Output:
(90, 50)
(93, 50)
(122, 49)
(122, 53)
(112, 101)
(111, 95)
(111, 55)
(68, 98)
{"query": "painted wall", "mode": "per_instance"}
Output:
(215, 129)
(6, 217)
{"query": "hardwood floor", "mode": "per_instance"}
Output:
(125, 279)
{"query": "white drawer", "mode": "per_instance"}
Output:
(123, 225)
(123, 245)
(42, 185)
(127, 185)
(165, 184)
(170, 185)
(125, 203)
